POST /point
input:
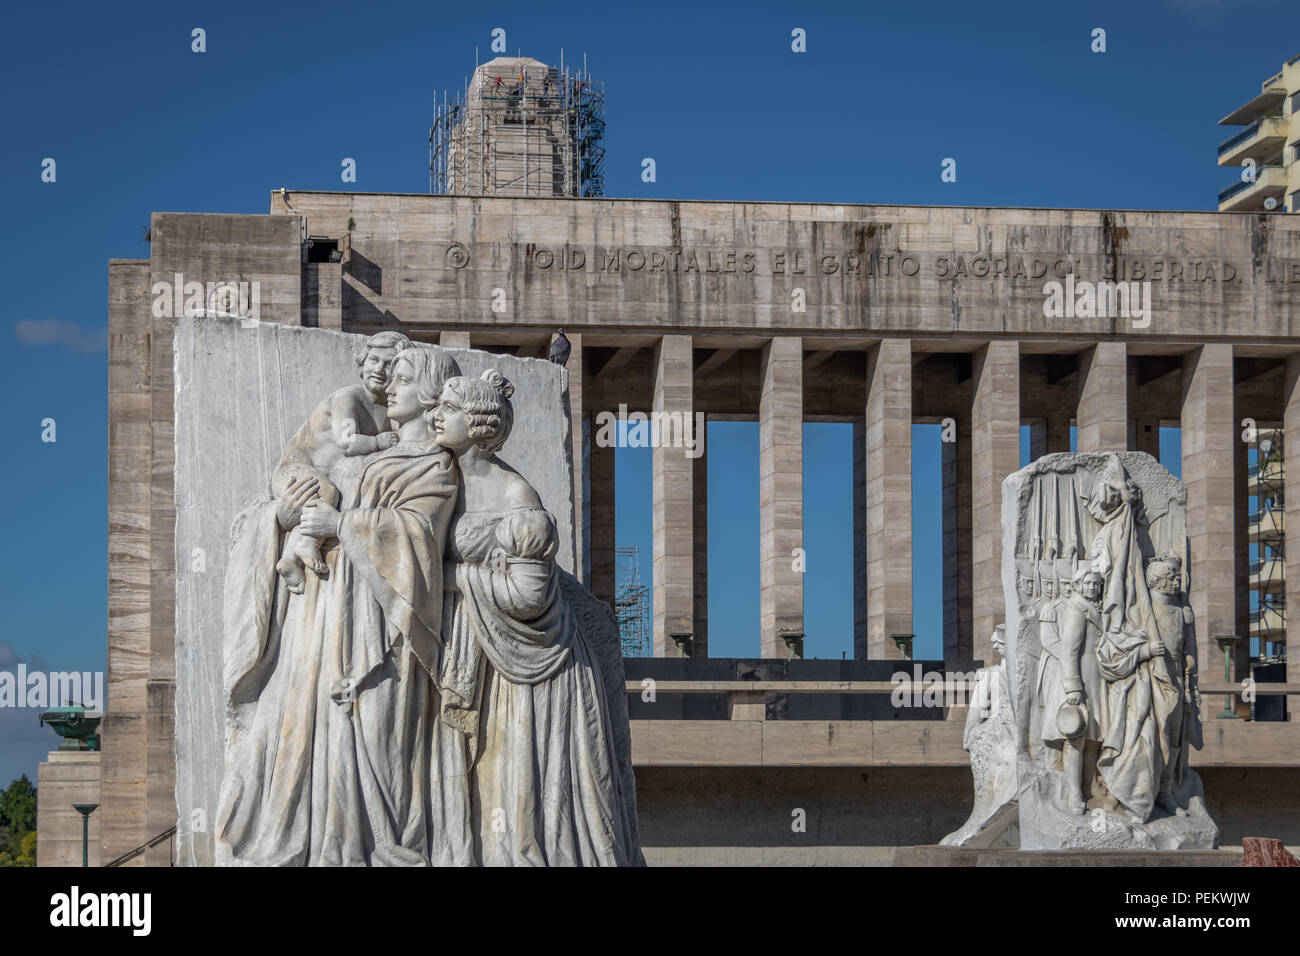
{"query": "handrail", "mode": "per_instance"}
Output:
(1245, 134)
(131, 855)
(1246, 184)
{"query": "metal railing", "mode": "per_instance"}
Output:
(1226, 194)
(131, 855)
(1241, 137)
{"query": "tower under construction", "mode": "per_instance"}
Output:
(520, 128)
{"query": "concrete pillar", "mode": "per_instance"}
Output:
(122, 823)
(1037, 439)
(322, 295)
(1058, 434)
(888, 474)
(1048, 436)
(1241, 555)
(1102, 417)
(66, 778)
(600, 498)
(1143, 428)
(957, 544)
(674, 541)
(1146, 436)
(700, 504)
(995, 453)
(1208, 434)
(780, 493)
(580, 452)
(860, 649)
(1291, 505)
(454, 340)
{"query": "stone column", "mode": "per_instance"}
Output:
(1058, 434)
(700, 504)
(1102, 418)
(601, 509)
(957, 544)
(888, 455)
(122, 823)
(860, 649)
(1146, 436)
(580, 454)
(995, 453)
(1291, 505)
(1037, 439)
(1048, 436)
(1241, 554)
(1208, 433)
(674, 540)
(780, 492)
(1144, 429)
(66, 778)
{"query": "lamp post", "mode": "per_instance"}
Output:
(904, 642)
(1227, 642)
(85, 809)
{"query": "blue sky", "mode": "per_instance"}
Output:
(136, 122)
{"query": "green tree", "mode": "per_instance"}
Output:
(27, 856)
(17, 821)
(18, 806)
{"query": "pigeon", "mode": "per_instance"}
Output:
(560, 349)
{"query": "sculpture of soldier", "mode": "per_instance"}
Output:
(1174, 686)
(1026, 580)
(1047, 583)
(1069, 688)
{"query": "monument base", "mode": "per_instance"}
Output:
(975, 856)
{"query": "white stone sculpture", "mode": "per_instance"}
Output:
(1101, 659)
(432, 688)
(1104, 663)
(990, 739)
(351, 421)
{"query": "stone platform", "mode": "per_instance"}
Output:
(968, 856)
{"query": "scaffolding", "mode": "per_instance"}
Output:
(520, 128)
(1268, 533)
(631, 605)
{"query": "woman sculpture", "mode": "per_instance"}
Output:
(331, 691)
(518, 682)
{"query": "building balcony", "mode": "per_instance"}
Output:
(1270, 183)
(1268, 576)
(1267, 527)
(1267, 103)
(1268, 623)
(1266, 479)
(1261, 140)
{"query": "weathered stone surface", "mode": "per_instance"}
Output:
(990, 739)
(1102, 655)
(242, 389)
(733, 266)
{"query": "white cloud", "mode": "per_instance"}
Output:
(10, 658)
(65, 334)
